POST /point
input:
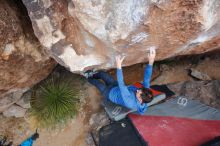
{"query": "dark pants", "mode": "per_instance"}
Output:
(104, 82)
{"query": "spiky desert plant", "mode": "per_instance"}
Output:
(54, 103)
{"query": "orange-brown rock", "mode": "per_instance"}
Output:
(82, 34)
(23, 61)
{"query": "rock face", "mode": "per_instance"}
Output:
(199, 75)
(23, 61)
(82, 34)
(15, 111)
(10, 99)
(207, 92)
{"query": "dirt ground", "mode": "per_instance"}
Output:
(75, 133)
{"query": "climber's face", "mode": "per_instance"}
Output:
(138, 95)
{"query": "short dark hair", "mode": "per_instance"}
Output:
(146, 95)
(35, 136)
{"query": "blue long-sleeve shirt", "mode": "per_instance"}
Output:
(27, 142)
(126, 95)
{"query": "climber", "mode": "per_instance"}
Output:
(117, 92)
(30, 140)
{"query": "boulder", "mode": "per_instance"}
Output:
(199, 75)
(23, 60)
(24, 102)
(15, 111)
(207, 92)
(83, 34)
(10, 99)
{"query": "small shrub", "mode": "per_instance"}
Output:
(54, 103)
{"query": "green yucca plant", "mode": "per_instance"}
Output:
(54, 103)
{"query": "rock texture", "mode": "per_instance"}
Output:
(199, 75)
(82, 34)
(23, 61)
(24, 102)
(10, 99)
(207, 92)
(15, 111)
